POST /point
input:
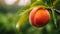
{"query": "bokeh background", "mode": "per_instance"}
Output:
(9, 18)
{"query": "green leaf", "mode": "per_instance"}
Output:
(57, 6)
(54, 17)
(55, 2)
(38, 3)
(23, 18)
(49, 2)
(32, 1)
(23, 9)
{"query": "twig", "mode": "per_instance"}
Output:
(57, 11)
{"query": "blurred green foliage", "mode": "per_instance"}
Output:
(7, 23)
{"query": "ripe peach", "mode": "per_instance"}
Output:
(39, 16)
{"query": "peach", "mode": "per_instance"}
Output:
(39, 16)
